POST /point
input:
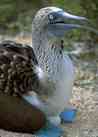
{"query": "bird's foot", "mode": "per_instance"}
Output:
(68, 115)
(49, 130)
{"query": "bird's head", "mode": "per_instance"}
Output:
(56, 22)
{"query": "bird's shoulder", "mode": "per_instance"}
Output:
(20, 72)
(17, 68)
(10, 48)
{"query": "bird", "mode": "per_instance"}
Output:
(41, 75)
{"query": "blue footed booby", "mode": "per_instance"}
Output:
(41, 75)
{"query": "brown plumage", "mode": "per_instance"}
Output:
(17, 68)
(19, 116)
(18, 76)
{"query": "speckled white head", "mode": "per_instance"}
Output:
(53, 20)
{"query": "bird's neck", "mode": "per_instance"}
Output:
(49, 52)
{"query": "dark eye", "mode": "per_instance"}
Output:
(51, 17)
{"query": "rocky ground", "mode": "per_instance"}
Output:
(85, 99)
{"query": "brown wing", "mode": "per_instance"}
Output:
(17, 69)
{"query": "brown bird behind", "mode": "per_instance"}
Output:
(18, 76)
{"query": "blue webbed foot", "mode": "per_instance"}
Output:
(49, 131)
(68, 115)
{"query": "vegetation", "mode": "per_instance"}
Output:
(16, 15)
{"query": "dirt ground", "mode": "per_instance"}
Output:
(85, 99)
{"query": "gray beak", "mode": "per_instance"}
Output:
(66, 15)
(60, 27)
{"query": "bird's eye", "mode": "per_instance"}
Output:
(51, 17)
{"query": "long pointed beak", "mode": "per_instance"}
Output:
(86, 23)
(70, 16)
